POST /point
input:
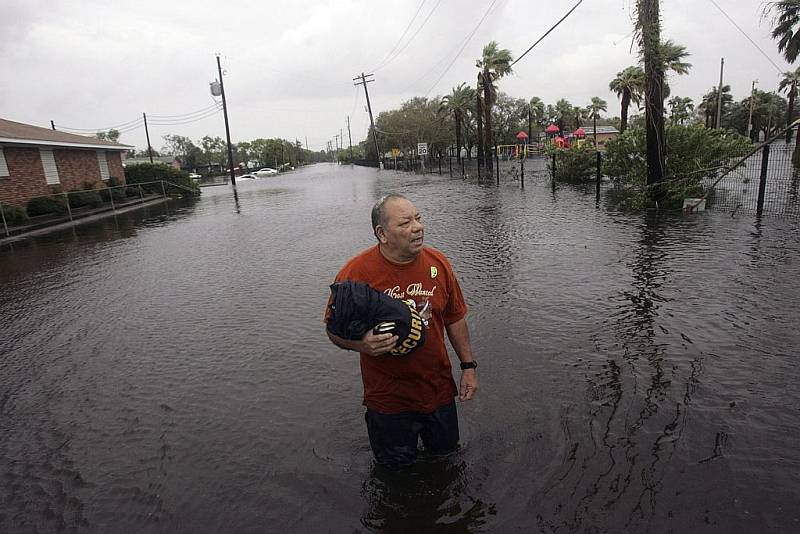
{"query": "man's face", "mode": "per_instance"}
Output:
(402, 236)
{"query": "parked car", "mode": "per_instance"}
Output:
(247, 176)
(194, 176)
(266, 171)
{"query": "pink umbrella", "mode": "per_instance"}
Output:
(552, 129)
(580, 132)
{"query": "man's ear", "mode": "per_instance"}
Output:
(380, 234)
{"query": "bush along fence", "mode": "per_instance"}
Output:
(67, 206)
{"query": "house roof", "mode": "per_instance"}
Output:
(600, 130)
(26, 134)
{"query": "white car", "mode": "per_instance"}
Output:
(246, 177)
(266, 171)
(194, 176)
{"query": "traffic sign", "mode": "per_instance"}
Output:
(422, 149)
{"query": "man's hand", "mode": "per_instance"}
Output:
(377, 345)
(469, 384)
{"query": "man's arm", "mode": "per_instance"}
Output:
(374, 345)
(459, 337)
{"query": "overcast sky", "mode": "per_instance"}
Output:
(289, 65)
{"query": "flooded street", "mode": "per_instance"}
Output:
(167, 370)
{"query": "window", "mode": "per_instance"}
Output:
(103, 161)
(3, 167)
(49, 164)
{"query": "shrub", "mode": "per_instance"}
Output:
(14, 216)
(146, 172)
(91, 198)
(574, 165)
(693, 153)
(46, 205)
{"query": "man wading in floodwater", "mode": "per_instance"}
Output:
(410, 397)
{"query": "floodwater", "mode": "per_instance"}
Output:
(167, 370)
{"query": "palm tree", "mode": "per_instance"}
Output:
(709, 104)
(789, 83)
(457, 103)
(673, 55)
(629, 86)
(537, 113)
(594, 109)
(494, 63)
(680, 109)
(564, 112)
(786, 30)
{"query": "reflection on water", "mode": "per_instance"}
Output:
(167, 370)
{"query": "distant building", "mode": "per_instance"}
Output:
(604, 133)
(172, 161)
(34, 159)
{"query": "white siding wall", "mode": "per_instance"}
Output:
(3, 165)
(49, 164)
(103, 161)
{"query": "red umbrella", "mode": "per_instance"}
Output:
(522, 136)
(552, 129)
(580, 132)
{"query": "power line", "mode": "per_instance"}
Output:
(413, 36)
(780, 70)
(384, 60)
(466, 40)
(94, 130)
(547, 33)
(185, 115)
(208, 114)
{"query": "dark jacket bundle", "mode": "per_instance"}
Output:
(357, 308)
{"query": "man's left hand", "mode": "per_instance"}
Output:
(469, 384)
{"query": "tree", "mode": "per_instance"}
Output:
(648, 25)
(509, 116)
(458, 103)
(789, 84)
(629, 87)
(593, 110)
(786, 21)
(111, 135)
(672, 58)
(494, 63)
(565, 114)
(537, 114)
(708, 105)
(182, 148)
(680, 109)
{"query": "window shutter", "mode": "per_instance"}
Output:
(3, 166)
(49, 164)
(103, 161)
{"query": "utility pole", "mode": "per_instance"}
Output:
(52, 124)
(227, 127)
(350, 138)
(719, 92)
(306, 143)
(364, 81)
(147, 134)
(752, 101)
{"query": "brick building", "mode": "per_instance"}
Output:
(33, 160)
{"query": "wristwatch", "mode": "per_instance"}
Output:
(469, 365)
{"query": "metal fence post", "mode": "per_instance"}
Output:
(599, 164)
(69, 210)
(164, 190)
(497, 163)
(440, 163)
(554, 172)
(522, 171)
(141, 193)
(3, 215)
(762, 184)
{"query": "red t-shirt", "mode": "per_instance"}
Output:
(422, 381)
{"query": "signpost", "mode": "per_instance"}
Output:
(395, 153)
(422, 151)
(523, 153)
